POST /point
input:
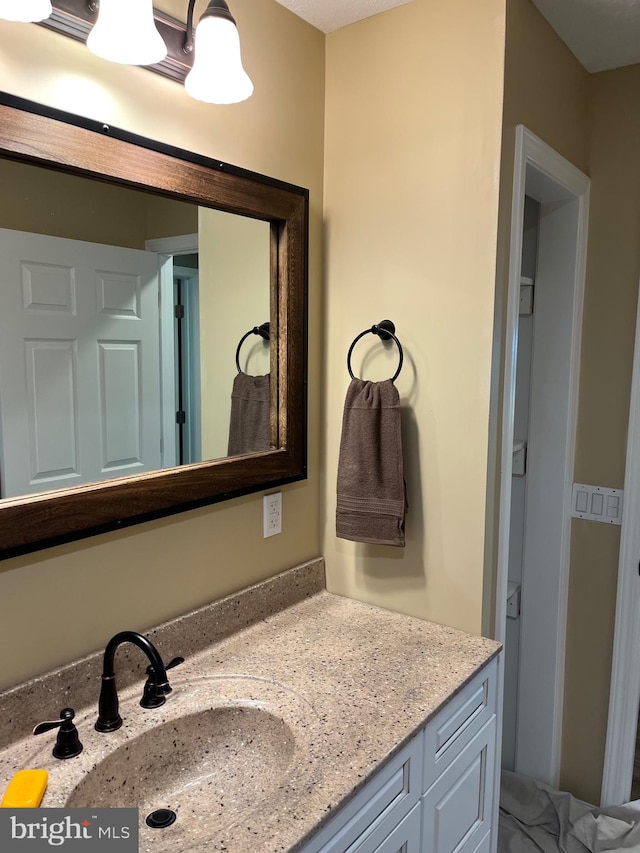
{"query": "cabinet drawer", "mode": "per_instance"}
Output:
(377, 808)
(405, 838)
(458, 808)
(458, 722)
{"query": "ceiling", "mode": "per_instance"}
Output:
(330, 15)
(602, 34)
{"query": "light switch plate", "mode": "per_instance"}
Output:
(597, 503)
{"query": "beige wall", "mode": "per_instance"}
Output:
(592, 121)
(69, 600)
(167, 217)
(546, 88)
(44, 201)
(414, 100)
(613, 271)
(234, 260)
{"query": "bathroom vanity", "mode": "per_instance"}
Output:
(436, 794)
(299, 721)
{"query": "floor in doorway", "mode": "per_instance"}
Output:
(535, 817)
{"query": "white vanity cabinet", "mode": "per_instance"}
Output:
(437, 794)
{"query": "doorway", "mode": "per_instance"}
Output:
(186, 297)
(535, 529)
(178, 273)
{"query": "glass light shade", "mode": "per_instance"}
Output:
(26, 11)
(126, 32)
(217, 76)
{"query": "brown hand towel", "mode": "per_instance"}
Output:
(250, 426)
(371, 496)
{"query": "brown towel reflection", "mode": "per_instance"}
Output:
(250, 426)
(371, 496)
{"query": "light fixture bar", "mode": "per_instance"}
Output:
(75, 18)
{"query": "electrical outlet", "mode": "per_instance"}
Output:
(272, 514)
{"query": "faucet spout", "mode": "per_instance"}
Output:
(109, 718)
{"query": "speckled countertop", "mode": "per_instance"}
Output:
(289, 699)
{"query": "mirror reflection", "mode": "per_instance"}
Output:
(121, 314)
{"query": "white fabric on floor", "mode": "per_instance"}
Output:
(535, 817)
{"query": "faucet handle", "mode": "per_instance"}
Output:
(67, 743)
(153, 695)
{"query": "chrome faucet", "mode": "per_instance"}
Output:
(156, 688)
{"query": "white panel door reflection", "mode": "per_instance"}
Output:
(79, 377)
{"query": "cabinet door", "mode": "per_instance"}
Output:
(455, 726)
(458, 807)
(485, 845)
(405, 838)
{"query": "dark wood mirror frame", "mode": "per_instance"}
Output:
(42, 136)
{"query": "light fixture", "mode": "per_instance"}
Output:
(125, 32)
(132, 32)
(217, 76)
(25, 11)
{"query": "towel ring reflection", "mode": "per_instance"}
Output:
(385, 329)
(264, 333)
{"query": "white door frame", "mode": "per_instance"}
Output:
(166, 248)
(191, 342)
(625, 669)
(541, 172)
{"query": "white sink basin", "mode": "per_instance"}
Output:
(221, 747)
(221, 758)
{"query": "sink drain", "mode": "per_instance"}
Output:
(161, 818)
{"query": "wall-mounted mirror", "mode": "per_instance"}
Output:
(152, 329)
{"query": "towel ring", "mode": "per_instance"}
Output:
(264, 333)
(385, 329)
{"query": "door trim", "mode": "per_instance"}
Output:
(625, 673)
(536, 165)
(166, 248)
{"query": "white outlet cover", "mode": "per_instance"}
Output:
(272, 514)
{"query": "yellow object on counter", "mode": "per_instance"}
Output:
(25, 790)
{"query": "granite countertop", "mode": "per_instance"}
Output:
(313, 693)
